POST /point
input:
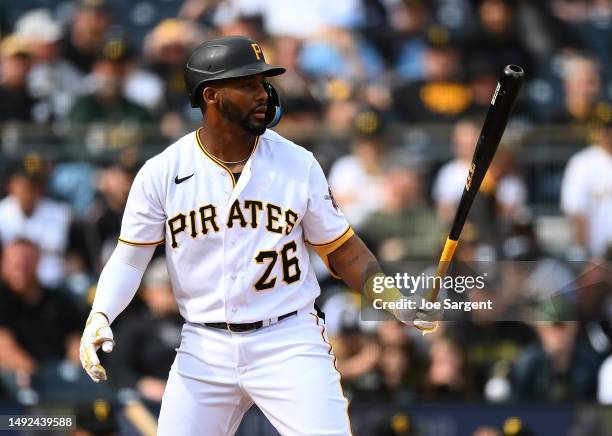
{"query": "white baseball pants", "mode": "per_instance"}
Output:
(287, 369)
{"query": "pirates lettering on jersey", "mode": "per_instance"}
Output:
(176, 225)
(235, 213)
(291, 219)
(208, 214)
(249, 213)
(253, 206)
(273, 214)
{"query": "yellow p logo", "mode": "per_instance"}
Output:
(257, 51)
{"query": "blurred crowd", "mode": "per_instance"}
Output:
(107, 75)
(415, 61)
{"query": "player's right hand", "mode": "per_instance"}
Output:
(97, 334)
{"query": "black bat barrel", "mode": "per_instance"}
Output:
(495, 122)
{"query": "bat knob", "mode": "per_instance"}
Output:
(107, 346)
(514, 71)
(425, 327)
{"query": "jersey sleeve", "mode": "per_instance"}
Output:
(325, 227)
(144, 216)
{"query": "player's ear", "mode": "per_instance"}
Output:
(210, 95)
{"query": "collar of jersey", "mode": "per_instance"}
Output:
(217, 161)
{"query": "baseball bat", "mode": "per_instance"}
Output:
(495, 122)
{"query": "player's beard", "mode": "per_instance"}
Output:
(232, 112)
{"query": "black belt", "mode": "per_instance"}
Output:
(249, 325)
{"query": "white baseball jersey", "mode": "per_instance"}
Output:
(587, 190)
(48, 214)
(236, 249)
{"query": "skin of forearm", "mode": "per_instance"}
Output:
(13, 356)
(354, 262)
(360, 270)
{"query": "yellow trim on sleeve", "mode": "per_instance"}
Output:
(332, 245)
(218, 161)
(326, 248)
(141, 244)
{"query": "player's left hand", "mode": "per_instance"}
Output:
(97, 333)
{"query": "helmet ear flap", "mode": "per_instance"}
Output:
(275, 110)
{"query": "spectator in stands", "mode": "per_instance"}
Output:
(405, 227)
(504, 195)
(561, 367)
(147, 349)
(584, 25)
(450, 180)
(304, 20)
(103, 220)
(81, 45)
(299, 104)
(534, 276)
(439, 94)
(27, 213)
(447, 377)
(250, 26)
(107, 102)
(338, 53)
(342, 110)
(52, 79)
(490, 348)
(37, 325)
(497, 37)
(507, 188)
(364, 164)
(409, 21)
(165, 51)
(582, 90)
(395, 366)
(16, 101)
(586, 192)
(201, 11)
(106, 118)
(344, 65)
(482, 74)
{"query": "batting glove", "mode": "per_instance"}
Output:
(376, 287)
(426, 321)
(97, 334)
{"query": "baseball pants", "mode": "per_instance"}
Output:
(286, 369)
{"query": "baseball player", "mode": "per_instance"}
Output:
(235, 205)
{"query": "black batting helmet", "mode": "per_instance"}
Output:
(230, 57)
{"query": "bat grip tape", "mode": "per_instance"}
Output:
(447, 255)
(449, 250)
